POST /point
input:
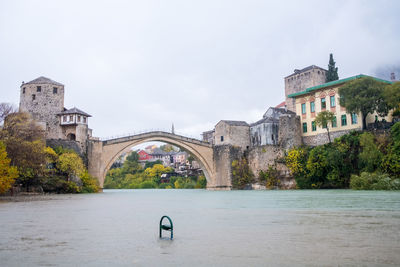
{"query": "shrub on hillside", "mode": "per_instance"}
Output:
(373, 181)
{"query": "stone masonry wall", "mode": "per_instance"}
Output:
(260, 158)
(233, 135)
(300, 81)
(223, 156)
(320, 139)
(289, 131)
(67, 144)
(43, 106)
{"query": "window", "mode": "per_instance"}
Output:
(324, 125)
(64, 118)
(323, 103)
(313, 126)
(333, 103)
(79, 118)
(222, 139)
(54, 90)
(84, 119)
(38, 89)
(33, 97)
(353, 118)
(344, 120)
(312, 106)
(303, 108)
(23, 90)
(71, 118)
(304, 127)
(334, 123)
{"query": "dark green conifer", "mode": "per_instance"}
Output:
(332, 74)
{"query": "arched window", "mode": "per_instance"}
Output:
(71, 137)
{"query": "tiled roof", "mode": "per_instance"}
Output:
(74, 111)
(235, 123)
(43, 80)
(305, 69)
(328, 84)
(281, 105)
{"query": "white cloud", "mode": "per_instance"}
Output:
(136, 65)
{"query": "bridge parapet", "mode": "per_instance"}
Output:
(158, 134)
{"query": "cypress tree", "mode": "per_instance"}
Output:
(332, 74)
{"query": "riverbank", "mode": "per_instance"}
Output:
(28, 197)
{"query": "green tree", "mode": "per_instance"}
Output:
(25, 146)
(391, 161)
(168, 148)
(241, 173)
(201, 182)
(323, 118)
(89, 183)
(70, 164)
(7, 173)
(131, 164)
(133, 157)
(365, 96)
(156, 171)
(150, 164)
(5, 110)
(332, 74)
(392, 97)
(370, 158)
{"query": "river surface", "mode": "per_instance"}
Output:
(211, 228)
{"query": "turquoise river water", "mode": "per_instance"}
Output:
(211, 228)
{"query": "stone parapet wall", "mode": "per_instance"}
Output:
(320, 139)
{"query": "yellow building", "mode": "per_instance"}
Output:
(326, 97)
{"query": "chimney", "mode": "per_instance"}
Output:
(392, 77)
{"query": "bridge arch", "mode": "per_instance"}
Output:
(104, 153)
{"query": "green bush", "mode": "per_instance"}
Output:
(164, 185)
(373, 181)
(71, 187)
(147, 185)
(201, 182)
(189, 184)
(89, 183)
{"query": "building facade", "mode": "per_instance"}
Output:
(235, 133)
(43, 99)
(325, 97)
(300, 80)
(266, 130)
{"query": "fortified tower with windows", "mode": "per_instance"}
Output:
(43, 99)
(300, 80)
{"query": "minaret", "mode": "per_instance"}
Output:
(173, 129)
(392, 77)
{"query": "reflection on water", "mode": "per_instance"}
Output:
(239, 228)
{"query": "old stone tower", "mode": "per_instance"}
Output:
(43, 98)
(300, 80)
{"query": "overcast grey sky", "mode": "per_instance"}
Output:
(137, 65)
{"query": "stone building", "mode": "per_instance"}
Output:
(315, 99)
(208, 136)
(266, 130)
(236, 133)
(43, 99)
(301, 80)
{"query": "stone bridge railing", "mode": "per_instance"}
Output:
(155, 133)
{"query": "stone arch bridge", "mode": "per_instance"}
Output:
(102, 154)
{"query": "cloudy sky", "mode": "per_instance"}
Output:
(139, 65)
